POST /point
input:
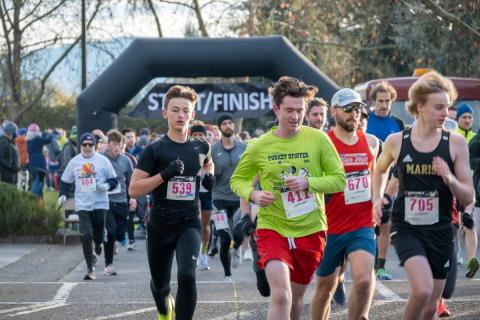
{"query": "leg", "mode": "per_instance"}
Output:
(383, 245)
(298, 291)
(131, 227)
(322, 297)
(362, 265)
(111, 226)
(278, 276)
(121, 215)
(420, 280)
(160, 250)
(86, 234)
(205, 215)
(225, 256)
(188, 246)
(99, 217)
(431, 307)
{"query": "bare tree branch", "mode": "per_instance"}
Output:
(437, 9)
(349, 47)
(46, 14)
(201, 23)
(178, 3)
(157, 20)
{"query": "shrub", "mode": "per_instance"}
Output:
(22, 215)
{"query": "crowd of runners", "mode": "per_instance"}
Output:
(299, 201)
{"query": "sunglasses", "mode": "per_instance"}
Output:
(87, 145)
(349, 108)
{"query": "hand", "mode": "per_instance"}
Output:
(174, 168)
(132, 204)
(377, 211)
(386, 208)
(208, 181)
(442, 170)
(61, 200)
(104, 187)
(295, 183)
(262, 198)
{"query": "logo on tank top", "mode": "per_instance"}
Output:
(354, 159)
(407, 158)
(421, 169)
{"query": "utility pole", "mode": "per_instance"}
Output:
(84, 49)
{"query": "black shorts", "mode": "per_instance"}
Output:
(205, 200)
(435, 245)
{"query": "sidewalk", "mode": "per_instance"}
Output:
(9, 253)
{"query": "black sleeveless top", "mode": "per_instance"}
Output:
(424, 201)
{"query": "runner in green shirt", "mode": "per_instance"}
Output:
(296, 166)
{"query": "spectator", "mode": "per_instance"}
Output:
(8, 153)
(23, 174)
(37, 163)
(465, 121)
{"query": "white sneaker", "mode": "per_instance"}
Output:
(110, 270)
(203, 262)
(236, 258)
(248, 255)
(130, 247)
(459, 260)
(228, 279)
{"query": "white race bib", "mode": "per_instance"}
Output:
(87, 184)
(358, 187)
(298, 203)
(181, 188)
(220, 219)
(421, 207)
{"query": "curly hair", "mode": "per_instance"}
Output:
(290, 86)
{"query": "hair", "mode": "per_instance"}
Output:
(128, 130)
(114, 135)
(290, 86)
(383, 86)
(431, 82)
(316, 102)
(180, 92)
(198, 123)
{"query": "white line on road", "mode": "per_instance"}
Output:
(64, 291)
(125, 314)
(387, 293)
(39, 308)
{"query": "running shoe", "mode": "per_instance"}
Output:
(248, 255)
(171, 310)
(90, 276)
(383, 275)
(203, 262)
(459, 259)
(236, 258)
(115, 248)
(131, 246)
(442, 310)
(94, 259)
(213, 251)
(228, 279)
(110, 270)
(472, 267)
(339, 295)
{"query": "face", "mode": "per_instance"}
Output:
(130, 139)
(210, 137)
(87, 148)
(317, 117)
(435, 109)
(200, 136)
(383, 103)
(465, 121)
(114, 148)
(290, 114)
(227, 128)
(452, 114)
(179, 112)
(347, 117)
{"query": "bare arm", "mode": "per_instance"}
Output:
(142, 183)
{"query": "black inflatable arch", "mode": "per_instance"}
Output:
(149, 58)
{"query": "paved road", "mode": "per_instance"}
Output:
(45, 282)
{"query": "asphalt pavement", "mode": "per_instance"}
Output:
(40, 281)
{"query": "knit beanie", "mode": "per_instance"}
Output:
(223, 117)
(463, 108)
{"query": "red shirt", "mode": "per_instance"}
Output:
(358, 162)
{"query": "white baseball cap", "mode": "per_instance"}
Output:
(345, 97)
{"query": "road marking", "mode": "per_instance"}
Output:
(387, 293)
(128, 313)
(39, 308)
(64, 292)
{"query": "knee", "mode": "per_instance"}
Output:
(185, 277)
(363, 284)
(323, 293)
(422, 295)
(281, 297)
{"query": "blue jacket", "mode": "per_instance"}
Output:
(35, 152)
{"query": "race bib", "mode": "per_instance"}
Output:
(87, 184)
(421, 207)
(298, 203)
(220, 219)
(181, 188)
(358, 187)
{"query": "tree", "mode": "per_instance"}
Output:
(23, 36)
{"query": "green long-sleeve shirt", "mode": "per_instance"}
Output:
(309, 153)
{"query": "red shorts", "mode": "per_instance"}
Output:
(302, 255)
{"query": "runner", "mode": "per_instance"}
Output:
(296, 166)
(225, 155)
(432, 167)
(317, 113)
(93, 176)
(170, 169)
(349, 213)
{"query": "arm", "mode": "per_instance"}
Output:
(241, 180)
(333, 179)
(460, 182)
(380, 174)
(142, 183)
(474, 148)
